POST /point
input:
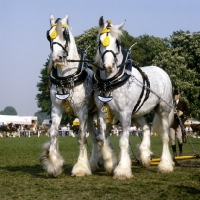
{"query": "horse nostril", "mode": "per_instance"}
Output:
(60, 58)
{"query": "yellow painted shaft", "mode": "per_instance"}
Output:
(176, 158)
(155, 161)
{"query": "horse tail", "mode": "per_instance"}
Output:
(171, 117)
(157, 125)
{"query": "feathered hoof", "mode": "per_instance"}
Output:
(166, 167)
(54, 168)
(122, 177)
(55, 174)
(109, 167)
(81, 169)
(145, 158)
(94, 167)
(122, 173)
(52, 163)
(145, 163)
(161, 170)
(80, 174)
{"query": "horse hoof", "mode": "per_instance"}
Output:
(122, 177)
(80, 174)
(163, 171)
(145, 164)
(55, 173)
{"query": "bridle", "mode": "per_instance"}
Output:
(106, 43)
(53, 35)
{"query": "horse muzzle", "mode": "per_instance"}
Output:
(58, 64)
(58, 61)
(109, 68)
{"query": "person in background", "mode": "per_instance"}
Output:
(175, 129)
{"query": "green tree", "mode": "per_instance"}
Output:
(180, 61)
(9, 110)
(41, 116)
(88, 39)
(179, 56)
(43, 97)
(146, 48)
(188, 45)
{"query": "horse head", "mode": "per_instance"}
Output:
(109, 45)
(62, 42)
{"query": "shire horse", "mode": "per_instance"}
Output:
(71, 91)
(124, 92)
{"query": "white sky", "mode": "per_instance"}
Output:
(24, 48)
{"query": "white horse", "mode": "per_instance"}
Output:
(124, 92)
(71, 91)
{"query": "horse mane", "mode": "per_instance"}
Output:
(97, 58)
(59, 29)
(115, 32)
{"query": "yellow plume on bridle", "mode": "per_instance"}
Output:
(106, 40)
(54, 33)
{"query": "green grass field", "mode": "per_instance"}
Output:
(22, 176)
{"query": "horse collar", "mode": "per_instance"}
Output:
(68, 81)
(106, 85)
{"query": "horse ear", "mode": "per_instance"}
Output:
(119, 26)
(66, 19)
(52, 21)
(101, 22)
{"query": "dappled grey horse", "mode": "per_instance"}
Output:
(71, 91)
(125, 92)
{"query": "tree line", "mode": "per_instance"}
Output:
(8, 110)
(178, 55)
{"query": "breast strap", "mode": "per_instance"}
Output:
(122, 75)
(76, 77)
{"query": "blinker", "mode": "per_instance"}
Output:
(54, 34)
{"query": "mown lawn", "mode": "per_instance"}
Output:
(22, 176)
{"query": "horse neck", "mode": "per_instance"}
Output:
(70, 67)
(105, 75)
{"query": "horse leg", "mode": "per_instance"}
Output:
(96, 156)
(144, 148)
(166, 163)
(123, 169)
(51, 159)
(108, 154)
(82, 167)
